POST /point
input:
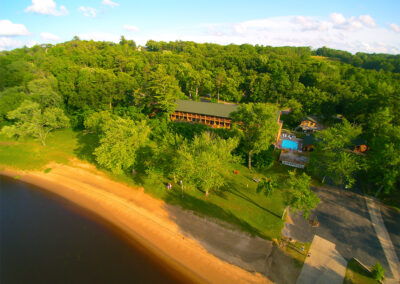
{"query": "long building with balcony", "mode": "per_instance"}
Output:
(211, 114)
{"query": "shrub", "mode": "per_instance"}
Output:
(378, 272)
(264, 159)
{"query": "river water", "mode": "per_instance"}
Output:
(46, 239)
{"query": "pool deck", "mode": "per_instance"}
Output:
(292, 157)
(290, 137)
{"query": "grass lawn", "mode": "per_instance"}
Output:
(237, 203)
(294, 250)
(356, 274)
(29, 154)
(322, 58)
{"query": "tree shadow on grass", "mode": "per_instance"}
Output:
(87, 143)
(234, 191)
(220, 193)
(206, 208)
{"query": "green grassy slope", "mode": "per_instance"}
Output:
(237, 203)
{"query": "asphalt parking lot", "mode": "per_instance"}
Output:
(344, 220)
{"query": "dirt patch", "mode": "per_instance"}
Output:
(4, 143)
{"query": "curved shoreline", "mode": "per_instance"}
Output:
(142, 219)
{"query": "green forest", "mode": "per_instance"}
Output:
(117, 97)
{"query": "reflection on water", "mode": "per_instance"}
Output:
(44, 239)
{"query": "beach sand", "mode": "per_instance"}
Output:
(144, 219)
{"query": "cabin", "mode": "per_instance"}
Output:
(308, 143)
(360, 145)
(310, 124)
(211, 114)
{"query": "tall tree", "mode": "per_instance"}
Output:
(257, 126)
(31, 120)
(384, 154)
(118, 146)
(164, 89)
(332, 156)
(42, 92)
(220, 80)
(205, 161)
(299, 195)
(10, 99)
(190, 79)
(96, 89)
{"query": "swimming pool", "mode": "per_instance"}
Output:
(287, 144)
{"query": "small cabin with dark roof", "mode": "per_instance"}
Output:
(308, 143)
(211, 114)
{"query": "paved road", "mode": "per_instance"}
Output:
(391, 217)
(325, 265)
(345, 221)
(383, 236)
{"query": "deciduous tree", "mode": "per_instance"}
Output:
(31, 120)
(333, 157)
(257, 126)
(118, 146)
(205, 161)
(299, 195)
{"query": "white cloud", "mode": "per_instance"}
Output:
(32, 43)
(49, 37)
(395, 28)
(46, 7)
(354, 34)
(263, 24)
(337, 18)
(9, 43)
(110, 3)
(367, 20)
(352, 23)
(131, 28)
(8, 28)
(88, 11)
(100, 36)
(310, 24)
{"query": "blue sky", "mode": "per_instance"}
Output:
(353, 25)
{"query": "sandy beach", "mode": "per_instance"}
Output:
(150, 222)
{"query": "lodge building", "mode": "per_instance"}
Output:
(211, 114)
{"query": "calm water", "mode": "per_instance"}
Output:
(45, 239)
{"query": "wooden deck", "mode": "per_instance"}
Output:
(212, 121)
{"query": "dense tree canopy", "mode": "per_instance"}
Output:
(333, 157)
(85, 77)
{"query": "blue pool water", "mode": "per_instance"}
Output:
(287, 144)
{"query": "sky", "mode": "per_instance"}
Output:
(352, 25)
